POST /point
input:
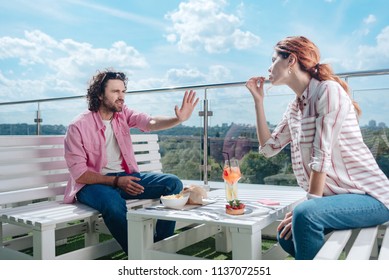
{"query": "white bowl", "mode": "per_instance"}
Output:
(175, 201)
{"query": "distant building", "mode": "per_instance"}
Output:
(372, 124)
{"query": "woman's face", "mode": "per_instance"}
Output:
(279, 69)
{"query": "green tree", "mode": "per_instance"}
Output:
(215, 174)
(255, 167)
(383, 162)
(181, 158)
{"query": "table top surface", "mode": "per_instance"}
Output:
(213, 210)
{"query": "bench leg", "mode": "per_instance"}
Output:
(44, 243)
(384, 253)
(91, 236)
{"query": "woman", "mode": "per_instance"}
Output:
(345, 187)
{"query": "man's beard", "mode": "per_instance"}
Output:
(109, 106)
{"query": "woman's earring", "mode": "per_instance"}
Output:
(290, 70)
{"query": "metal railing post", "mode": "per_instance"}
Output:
(205, 114)
(38, 120)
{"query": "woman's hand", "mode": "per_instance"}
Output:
(255, 86)
(286, 224)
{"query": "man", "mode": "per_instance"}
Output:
(101, 160)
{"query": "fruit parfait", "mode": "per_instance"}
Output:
(235, 207)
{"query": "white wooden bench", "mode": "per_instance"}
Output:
(357, 244)
(33, 176)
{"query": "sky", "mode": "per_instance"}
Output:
(52, 48)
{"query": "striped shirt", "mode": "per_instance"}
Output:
(323, 130)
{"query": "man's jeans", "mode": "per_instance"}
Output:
(110, 202)
(314, 218)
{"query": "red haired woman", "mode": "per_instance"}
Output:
(345, 187)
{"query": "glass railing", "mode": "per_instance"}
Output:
(224, 121)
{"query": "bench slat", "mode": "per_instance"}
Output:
(47, 213)
(144, 137)
(363, 244)
(11, 140)
(147, 157)
(333, 247)
(36, 167)
(22, 141)
(32, 194)
(384, 253)
(29, 154)
(146, 147)
(33, 181)
(154, 166)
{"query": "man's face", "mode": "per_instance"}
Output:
(113, 98)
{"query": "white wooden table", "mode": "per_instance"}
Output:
(239, 234)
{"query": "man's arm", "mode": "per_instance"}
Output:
(163, 122)
(189, 102)
(90, 177)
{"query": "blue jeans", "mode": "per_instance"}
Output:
(313, 219)
(111, 203)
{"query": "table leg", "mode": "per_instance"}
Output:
(246, 244)
(140, 237)
(223, 241)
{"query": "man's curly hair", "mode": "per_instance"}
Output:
(97, 86)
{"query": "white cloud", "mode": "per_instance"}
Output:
(367, 22)
(27, 89)
(39, 48)
(186, 75)
(244, 40)
(61, 67)
(218, 74)
(192, 75)
(376, 56)
(370, 19)
(202, 24)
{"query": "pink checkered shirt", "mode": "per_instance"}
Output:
(85, 144)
